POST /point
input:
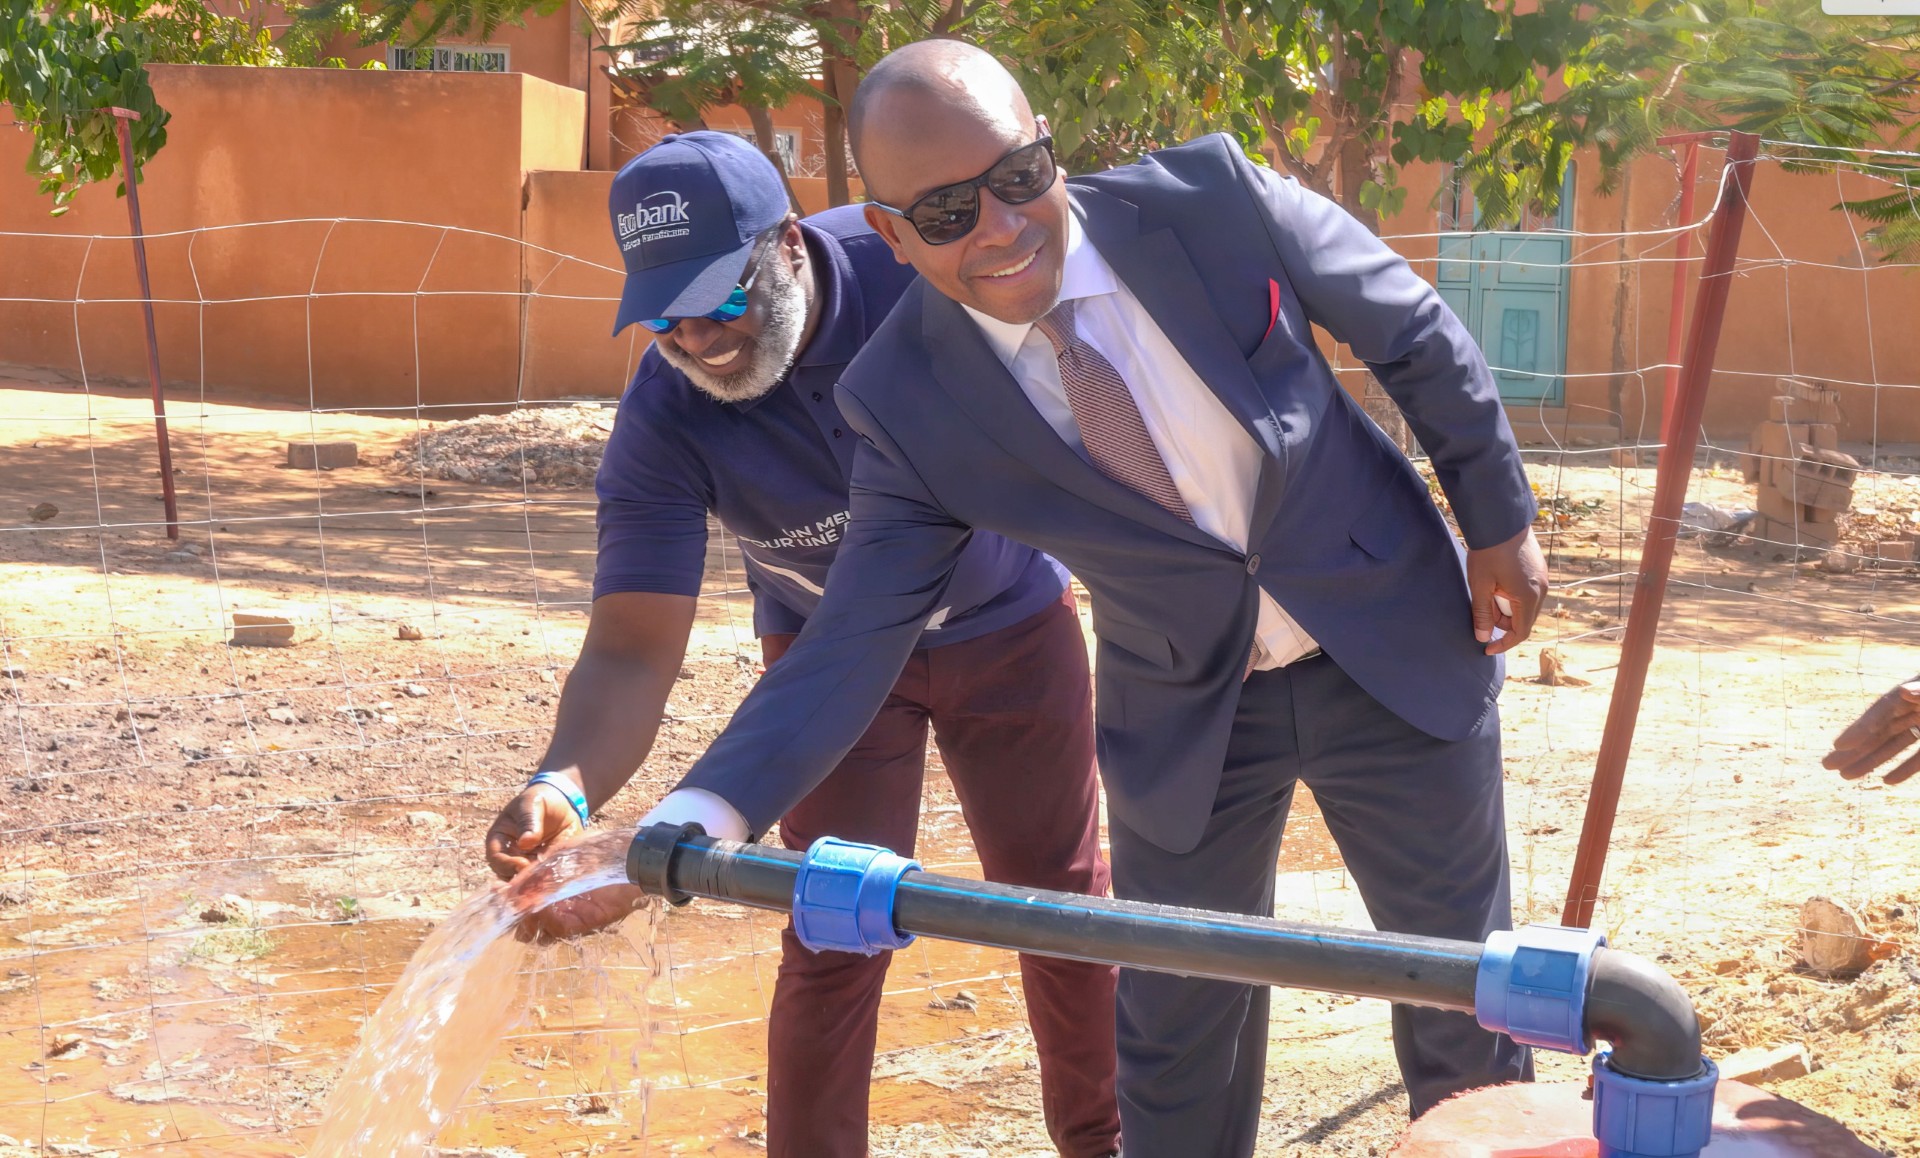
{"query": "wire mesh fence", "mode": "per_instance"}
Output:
(216, 858)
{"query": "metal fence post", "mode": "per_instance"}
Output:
(120, 119)
(1682, 426)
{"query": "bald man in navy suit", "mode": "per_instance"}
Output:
(1120, 370)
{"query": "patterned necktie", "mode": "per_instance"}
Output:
(1115, 435)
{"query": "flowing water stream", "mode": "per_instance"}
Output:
(446, 1016)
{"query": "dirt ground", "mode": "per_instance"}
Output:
(215, 859)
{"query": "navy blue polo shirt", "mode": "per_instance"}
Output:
(775, 470)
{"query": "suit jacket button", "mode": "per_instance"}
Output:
(1253, 564)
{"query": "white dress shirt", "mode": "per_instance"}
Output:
(1214, 462)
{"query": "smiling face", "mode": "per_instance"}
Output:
(920, 138)
(743, 359)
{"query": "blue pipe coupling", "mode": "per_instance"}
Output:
(1644, 1118)
(843, 898)
(1532, 985)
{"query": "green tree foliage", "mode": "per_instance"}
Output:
(416, 24)
(695, 55)
(64, 63)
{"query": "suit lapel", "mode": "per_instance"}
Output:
(1155, 266)
(968, 370)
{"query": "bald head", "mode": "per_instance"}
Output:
(930, 126)
(949, 74)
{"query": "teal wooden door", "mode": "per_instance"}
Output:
(1510, 288)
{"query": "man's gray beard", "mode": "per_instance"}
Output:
(771, 353)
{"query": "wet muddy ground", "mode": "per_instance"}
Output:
(213, 860)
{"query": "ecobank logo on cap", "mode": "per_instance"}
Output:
(655, 217)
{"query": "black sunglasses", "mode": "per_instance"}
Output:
(950, 212)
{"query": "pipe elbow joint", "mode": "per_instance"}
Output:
(1647, 1016)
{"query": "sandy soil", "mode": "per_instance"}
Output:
(214, 859)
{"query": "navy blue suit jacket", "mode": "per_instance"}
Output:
(1343, 535)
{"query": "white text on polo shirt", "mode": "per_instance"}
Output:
(633, 227)
(825, 531)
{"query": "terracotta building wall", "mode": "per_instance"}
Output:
(371, 312)
(1809, 299)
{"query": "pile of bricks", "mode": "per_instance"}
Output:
(1805, 481)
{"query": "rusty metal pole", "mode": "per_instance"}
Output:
(1656, 556)
(120, 119)
(1682, 250)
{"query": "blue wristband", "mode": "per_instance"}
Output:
(567, 789)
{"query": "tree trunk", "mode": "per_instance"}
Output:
(1617, 384)
(838, 25)
(762, 122)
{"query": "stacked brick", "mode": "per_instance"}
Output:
(1805, 481)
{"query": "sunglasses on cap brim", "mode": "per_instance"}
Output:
(731, 310)
(950, 212)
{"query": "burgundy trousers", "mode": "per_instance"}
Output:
(1012, 713)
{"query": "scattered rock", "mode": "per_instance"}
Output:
(431, 821)
(1833, 941)
(182, 555)
(962, 1000)
(65, 683)
(1760, 1065)
(415, 690)
(41, 512)
(67, 1045)
(10, 672)
(407, 631)
(556, 446)
(283, 715)
(261, 629)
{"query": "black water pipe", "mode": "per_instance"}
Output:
(1628, 1000)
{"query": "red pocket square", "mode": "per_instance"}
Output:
(1273, 307)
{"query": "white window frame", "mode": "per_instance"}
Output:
(786, 143)
(450, 58)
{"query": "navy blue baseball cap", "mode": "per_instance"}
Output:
(685, 214)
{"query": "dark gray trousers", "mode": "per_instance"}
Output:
(1420, 823)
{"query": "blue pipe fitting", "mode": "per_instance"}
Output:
(1532, 985)
(1643, 1118)
(843, 898)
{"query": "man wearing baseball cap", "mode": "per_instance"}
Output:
(754, 314)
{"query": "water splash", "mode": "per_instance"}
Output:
(444, 1019)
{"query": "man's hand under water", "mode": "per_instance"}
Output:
(578, 916)
(530, 828)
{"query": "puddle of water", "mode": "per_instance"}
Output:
(433, 1035)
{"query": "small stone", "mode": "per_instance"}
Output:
(1758, 1066)
(13, 673)
(65, 684)
(1833, 941)
(322, 455)
(408, 631)
(1554, 671)
(283, 715)
(1839, 562)
(261, 629)
(182, 556)
(962, 1001)
(428, 820)
(415, 690)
